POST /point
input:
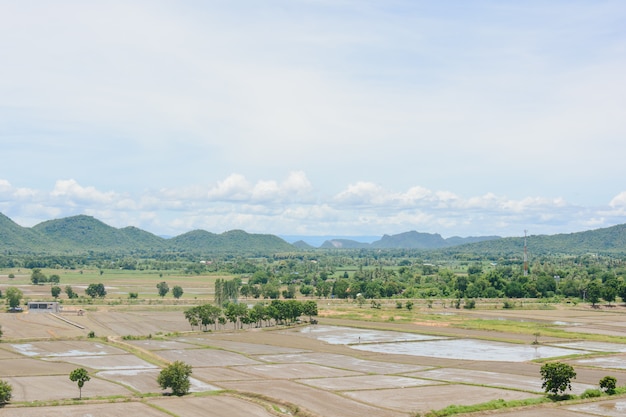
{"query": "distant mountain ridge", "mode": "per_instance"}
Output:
(407, 240)
(84, 234)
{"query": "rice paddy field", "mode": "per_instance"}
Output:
(356, 361)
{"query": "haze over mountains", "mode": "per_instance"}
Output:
(83, 234)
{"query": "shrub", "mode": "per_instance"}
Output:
(608, 384)
(5, 392)
(591, 393)
(470, 304)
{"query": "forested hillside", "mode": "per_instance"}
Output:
(84, 234)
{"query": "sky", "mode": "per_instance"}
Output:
(315, 117)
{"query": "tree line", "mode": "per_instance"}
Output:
(240, 314)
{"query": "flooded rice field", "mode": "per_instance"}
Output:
(396, 343)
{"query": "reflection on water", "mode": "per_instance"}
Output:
(399, 343)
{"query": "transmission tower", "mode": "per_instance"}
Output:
(525, 255)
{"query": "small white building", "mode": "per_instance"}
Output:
(43, 306)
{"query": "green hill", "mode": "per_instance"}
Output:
(82, 234)
(14, 237)
(608, 241)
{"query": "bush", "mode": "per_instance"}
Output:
(591, 393)
(176, 377)
(5, 392)
(608, 384)
(470, 304)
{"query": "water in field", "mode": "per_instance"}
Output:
(399, 343)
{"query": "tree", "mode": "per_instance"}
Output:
(37, 277)
(96, 290)
(5, 392)
(80, 376)
(177, 291)
(70, 292)
(163, 288)
(594, 292)
(54, 279)
(55, 291)
(608, 384)
(309, 308)
(557, 377)
(13, 296)
(176, 377)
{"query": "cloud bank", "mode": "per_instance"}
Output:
(293, 206)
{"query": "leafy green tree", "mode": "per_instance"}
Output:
(163, 288)
(80, 376)
(608, 384)
(54, 279)
(621, 291)
(37, 277)
(594, 292)
(309, 308)
(13, 296)
(96, 290)
(557, 377)
(176, 377)
(235, 312)
(258, 314)
(177, 291)
(55, 291)
(5, 392)
(70, 292)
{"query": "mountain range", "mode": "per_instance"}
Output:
(84, 234)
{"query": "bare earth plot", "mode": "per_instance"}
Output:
(206, 357)
(33, 367)
(57, 387)
(294, 371)
(344, 362)
(87, 410)
(221, 405)
(423, 399)
(496, 379)
(318, 368)
(366, 382)
(318, 401)
(242, 347)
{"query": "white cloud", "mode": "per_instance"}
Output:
(471, 119)
(292, 206)
(71, 191)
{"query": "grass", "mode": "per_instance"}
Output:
(491, 405)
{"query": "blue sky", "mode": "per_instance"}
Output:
(303, 117)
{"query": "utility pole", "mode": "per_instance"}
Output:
(525, 255)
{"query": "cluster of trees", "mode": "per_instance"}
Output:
(277, 311)
(96, 290)
(37, 277)
(174, 376)
(226, 291)
(163, 288)
(557, 379)
(387, 274)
